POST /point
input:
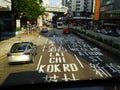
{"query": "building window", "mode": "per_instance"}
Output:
(77, 1)
(77, 8)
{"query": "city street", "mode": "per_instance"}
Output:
(66, 57)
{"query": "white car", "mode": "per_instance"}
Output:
(22, 52)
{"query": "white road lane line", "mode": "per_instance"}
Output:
(46, 41)
(39, 36)
(39, 62)
(79, 61)
(43, 48)
(106, 73)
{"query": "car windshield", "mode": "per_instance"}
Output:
(59, 24)
(40, 42)
(19, 47)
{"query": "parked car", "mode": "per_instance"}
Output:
(104, 31)
(115, 34)
(66, 31)
(22, 52)
(44, 30)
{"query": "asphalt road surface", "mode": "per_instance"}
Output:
(66, 57)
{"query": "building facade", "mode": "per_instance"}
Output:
(79, 8)
(110, 12)
(82, 7)
(7, 22)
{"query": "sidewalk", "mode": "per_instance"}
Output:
(5, 45)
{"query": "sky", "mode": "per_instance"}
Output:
(54, 2)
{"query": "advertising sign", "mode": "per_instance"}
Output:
(97, 9)
(18, 23)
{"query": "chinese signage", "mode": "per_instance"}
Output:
(97, 9)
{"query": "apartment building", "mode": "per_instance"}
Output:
(110, 12)
(79, 8)
(82, 7)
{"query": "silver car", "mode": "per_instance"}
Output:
(22, 52)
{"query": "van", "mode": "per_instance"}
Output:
(59, 25)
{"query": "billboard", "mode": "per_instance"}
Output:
(97, 9)
(5, 5)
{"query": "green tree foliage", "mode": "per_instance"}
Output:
(30, 9)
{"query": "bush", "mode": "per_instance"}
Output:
(18, 29)
(108, 42)
(99, 38)
(117, 46)
(90, 35)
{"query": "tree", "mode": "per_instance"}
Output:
(30, 9)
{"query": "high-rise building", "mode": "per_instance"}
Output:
(110, 12)
(79, 7)
(82, 7)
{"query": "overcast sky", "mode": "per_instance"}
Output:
(53, 2)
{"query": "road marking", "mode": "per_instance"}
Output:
(65, 78)
(96, 69)
(103, 70)
(108, 74)
(39, 36)
(111, 67)
(46, 41)
(39, 62)
(54, 78)
(47, 79)
(69, 47)
(43, 48)
(74, 77)
(79, 61)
